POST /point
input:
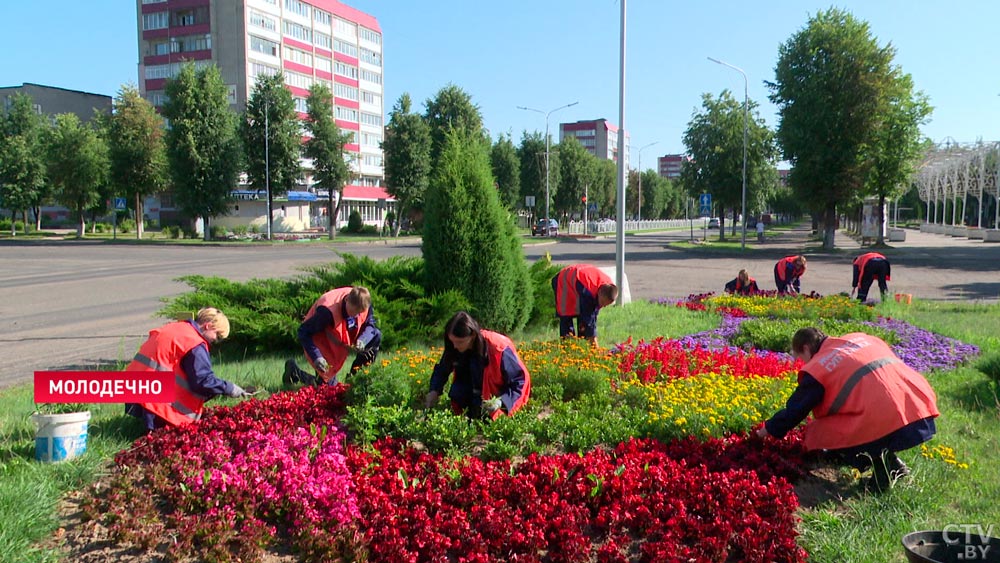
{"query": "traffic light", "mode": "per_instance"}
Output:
(584, 199)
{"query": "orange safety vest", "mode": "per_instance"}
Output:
(739, 287)
(862, 261)
(783, 268)
(329, 341)
(868, 393)
(163, 351)
(493, 380)
(567, 299)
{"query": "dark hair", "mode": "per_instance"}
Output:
(462, 325)
(609, 291)
(810, 337)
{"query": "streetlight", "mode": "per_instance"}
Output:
(745, 128)
(267, 164)
(640, 176)
(547, 153)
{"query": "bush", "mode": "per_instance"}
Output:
(240, 230)
(173, 232)
(127, 225)
(355, 223)
(469, 243)
(219, 232)
(369, 230)
(5, 226)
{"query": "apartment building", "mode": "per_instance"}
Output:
(669, 165)
(598, 136)
(309, 41)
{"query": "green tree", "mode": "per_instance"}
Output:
(714, 140)
(576, 173)
(77, 165)
(203, 146)
(507, 171)
(137, 150)
(832, 87)
(897, 145)
(470, 243)
(325, 147)
(604, 189)
(531, 153)
(22, 162)
(452, 108)
(407, 157)
(272, 139)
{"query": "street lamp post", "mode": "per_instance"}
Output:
(745, 129)
(547, 217)
(267, 164)
(639, 210)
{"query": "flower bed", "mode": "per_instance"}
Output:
(665, 468)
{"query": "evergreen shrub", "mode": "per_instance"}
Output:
(355, 223)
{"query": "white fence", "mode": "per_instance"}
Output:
(599, 227)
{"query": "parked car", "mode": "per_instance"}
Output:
(713, 223)
(540, 229)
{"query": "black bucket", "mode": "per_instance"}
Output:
(953, 546)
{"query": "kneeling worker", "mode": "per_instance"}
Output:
(866, 403)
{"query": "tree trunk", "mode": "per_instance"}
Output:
(82, 227)
(208, 230)
(399, 218)
(829, 226)
(38, 217)
(880, 237)
(24, 219)
(332, 213)
(138, 217)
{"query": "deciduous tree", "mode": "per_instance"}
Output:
(407, 157)
(77, 165)
(331, 170)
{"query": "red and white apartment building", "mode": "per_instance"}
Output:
(598, 136)
(309, 41)
(669, 165)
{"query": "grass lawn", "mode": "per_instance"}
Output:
(853, 528)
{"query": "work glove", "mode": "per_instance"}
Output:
(238, 392)
(356, 348)
(321, 364)
(431, 399)
(490, 406)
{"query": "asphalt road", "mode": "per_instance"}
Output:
(69, 304)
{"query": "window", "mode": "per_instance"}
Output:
(297, 7)
(300, 105)
(371, 76)
(323, 63)
(184, 18)
(345, 48)
(373, 159)
(371, 57)
(261, 45)
(321, 17)
(298, 80)
(153, 1)
(346, 92)
(297, 56)
(190, 43)
(371, 139)
(156, 20)
(161, 47)
(369, 35)
(345, 70)
(345, 27)
(257, 69)
(371, 98)
(262, 21)
(156, 98)
(346, 114)
(371, 119)
(321, 40)
(154, 72)
(296, 31)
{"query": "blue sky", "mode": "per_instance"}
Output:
(547, 53)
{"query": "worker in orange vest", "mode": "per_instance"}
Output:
(787, 272)
(868, 268)
(581, 291)
(341, 322)
(182, 348)
(743, 284)
(489, 379)
(865, 402)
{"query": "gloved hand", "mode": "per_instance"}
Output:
(431, 399)
(322, 365)
(238, 392)
(490, 406)
(357, 348)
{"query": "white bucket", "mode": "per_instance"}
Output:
(60, 436)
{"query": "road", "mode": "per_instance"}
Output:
(70, 304)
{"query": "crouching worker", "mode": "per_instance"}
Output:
(866, 403)
(490, 379)
(581, 291)
(339, 323)
(182, 347)
(743, 284)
